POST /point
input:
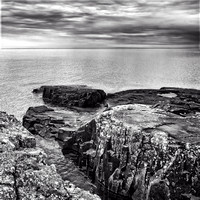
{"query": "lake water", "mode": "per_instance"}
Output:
(110, 69)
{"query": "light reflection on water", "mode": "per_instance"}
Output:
(108, 69)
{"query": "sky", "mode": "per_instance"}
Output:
(99, 23)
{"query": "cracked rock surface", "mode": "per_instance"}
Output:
(148, 153)
(24, 172)
(139, 152)
(136, 152)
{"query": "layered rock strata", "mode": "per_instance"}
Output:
(24, 171)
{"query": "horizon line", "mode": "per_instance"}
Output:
(187, 47)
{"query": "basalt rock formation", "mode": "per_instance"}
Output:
(24, 171)
(72, 96)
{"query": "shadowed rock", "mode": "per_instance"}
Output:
(72, 96)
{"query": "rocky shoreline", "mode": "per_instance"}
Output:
(134, 144)
(26, 171)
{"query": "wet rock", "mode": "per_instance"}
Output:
(72, 96)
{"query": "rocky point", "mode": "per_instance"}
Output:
(143, 151)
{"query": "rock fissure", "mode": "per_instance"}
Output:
(24, 169)
(134, 151)
(15, 183)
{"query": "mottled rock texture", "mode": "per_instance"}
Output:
(175, 100)
(139, 152)
(154, 150)
(24, 172)
(57, 127)
(72, 96)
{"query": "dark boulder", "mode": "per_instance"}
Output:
(72, 96)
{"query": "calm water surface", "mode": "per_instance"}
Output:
(112, 70)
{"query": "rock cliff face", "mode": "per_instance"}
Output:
(72, 96)
(147, 154)
(137, 152)
(24, 171)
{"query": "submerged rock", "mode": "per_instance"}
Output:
(72, 96)
(24, 172)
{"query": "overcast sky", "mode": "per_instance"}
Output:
(99, 23)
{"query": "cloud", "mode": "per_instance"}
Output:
(69, 23)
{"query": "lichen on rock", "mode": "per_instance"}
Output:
(134, 151)
(24, 172)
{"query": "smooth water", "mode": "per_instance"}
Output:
(110, 69)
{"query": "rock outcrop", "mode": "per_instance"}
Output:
(147, 153)
(138, 152)
(24, 172)
(175, 100)
(132, 151)
(72, 96)
(57, 127)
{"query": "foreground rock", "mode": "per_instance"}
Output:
(58, 126)
(147, 154)
(175, 100)
(136, 152)
(72, 96)
(24, 172)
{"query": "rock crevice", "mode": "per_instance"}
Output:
(24, 172)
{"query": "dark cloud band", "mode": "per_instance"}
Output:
(118, 22)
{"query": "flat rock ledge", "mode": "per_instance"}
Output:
(24, 172)
(136, 152)
(179, 101)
